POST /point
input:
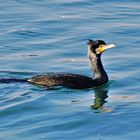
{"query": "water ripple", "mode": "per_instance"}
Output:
(50, 36)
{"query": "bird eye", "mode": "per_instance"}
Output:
(100, 46)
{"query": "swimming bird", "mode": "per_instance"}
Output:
(75, 81)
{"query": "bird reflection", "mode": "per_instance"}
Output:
(99, 100)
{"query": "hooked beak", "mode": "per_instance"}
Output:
(102, 48)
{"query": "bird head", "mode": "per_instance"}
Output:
(99, 46)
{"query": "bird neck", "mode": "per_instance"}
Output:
(97, 67)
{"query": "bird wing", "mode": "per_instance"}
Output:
(68, 80)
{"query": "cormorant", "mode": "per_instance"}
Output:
(75, 81)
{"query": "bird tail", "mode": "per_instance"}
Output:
(12, 80)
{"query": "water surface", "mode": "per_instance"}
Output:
(43, 36)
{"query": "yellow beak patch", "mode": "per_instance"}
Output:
(103, 47)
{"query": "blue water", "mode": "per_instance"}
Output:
(44, 36)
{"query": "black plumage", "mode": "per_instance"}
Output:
(77, 81)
